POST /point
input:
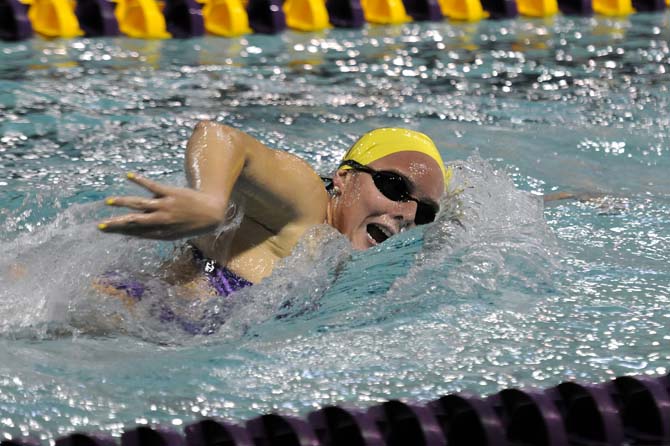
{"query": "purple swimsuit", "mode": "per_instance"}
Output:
(222, 280)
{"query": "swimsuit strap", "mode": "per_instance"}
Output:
(223, 280)
(207, 265)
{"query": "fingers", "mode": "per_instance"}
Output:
(127, 221)
(140, 225)
(152, 186)
(136, 203)
(141, 203)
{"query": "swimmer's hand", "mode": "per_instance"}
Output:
(172, 213)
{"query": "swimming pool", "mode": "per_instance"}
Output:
(524, 295)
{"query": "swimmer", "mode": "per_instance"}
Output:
(390, 180)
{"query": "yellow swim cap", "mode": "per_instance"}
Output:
(379, 143)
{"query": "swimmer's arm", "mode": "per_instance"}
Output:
(583, 196)
(557, 196)
(278, 189)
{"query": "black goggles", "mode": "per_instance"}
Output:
(395, 187)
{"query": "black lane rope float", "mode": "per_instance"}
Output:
(628, 410)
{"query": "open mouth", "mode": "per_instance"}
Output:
(378, 233)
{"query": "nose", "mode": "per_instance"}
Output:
(405, 212)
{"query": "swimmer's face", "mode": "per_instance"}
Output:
(366, 216)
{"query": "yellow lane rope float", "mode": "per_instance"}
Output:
(226, 18)
(141, 19)
(54, 18)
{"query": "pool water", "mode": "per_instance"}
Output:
(517, 294)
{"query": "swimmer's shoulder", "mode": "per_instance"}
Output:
(286, 185)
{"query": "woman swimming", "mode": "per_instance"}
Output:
(390, 180)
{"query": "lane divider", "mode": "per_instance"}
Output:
(629, 410)
(162, 19)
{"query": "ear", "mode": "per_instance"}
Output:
(341, 178)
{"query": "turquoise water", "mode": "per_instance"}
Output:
(519, 295)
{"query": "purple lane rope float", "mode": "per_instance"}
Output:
(629, 410)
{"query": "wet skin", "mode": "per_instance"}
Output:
(283, 197)
(365, 216)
